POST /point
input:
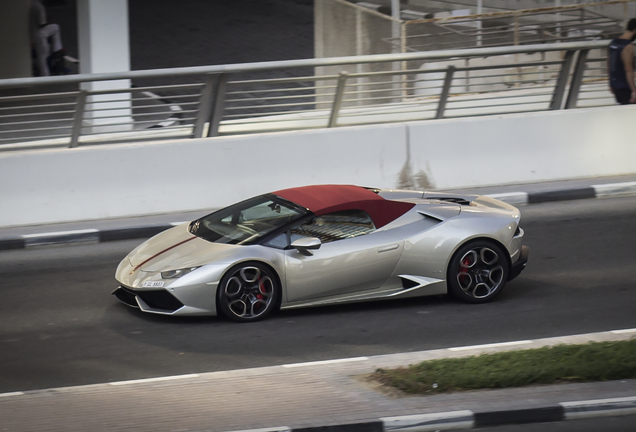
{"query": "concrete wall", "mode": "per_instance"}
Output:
(525, 148)
(342, 29)
(136, 179)
(15, 41)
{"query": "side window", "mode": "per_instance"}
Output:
(265, 211)
(334, 226)
(278, 242)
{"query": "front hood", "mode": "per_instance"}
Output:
(177, 248)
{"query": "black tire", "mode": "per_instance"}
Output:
(478, 271)
(248, 292)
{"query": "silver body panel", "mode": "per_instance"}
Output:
(408, 257)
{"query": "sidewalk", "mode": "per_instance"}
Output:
(318, 394)
(147, 226)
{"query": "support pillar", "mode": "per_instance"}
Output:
(104, 47)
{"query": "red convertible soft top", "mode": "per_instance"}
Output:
(323, 199)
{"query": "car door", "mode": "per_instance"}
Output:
(353, 257)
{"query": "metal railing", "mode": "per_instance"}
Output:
(518, 27)
(209, 101)
(360, 29)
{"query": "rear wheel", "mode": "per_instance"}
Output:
(478, 271)
(248, 292)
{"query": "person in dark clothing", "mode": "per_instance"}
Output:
(620, 65)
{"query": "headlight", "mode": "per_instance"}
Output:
(173, 274)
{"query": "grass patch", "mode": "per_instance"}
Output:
(597, 361)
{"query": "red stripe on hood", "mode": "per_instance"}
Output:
(163, 251)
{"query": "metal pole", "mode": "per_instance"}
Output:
(445, 92)
(558, 20)
(359, 45)
(403, 63)
(480, 4)
(218, 106)
(516, 37)
(337, 99)
(395, 14)
(396, 46)
(77, 119)
(562, 81)
(205, 106)
(577, 79)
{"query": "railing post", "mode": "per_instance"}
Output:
(445, 92)
(205, 106)
(562, 81)
(218, 105)
(577, 79)
(403, 48)
(337, 99)
(77, 119)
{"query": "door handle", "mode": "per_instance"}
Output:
(388, 248)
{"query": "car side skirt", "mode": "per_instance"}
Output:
(425, 287)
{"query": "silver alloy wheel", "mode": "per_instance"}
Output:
(248, 293)
(480, 272)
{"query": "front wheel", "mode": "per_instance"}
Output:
(478, 271)
(248, 292)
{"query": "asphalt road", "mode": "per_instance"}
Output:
(60, 327)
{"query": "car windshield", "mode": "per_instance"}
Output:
(246, 222)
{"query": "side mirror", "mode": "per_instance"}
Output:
(305, 244)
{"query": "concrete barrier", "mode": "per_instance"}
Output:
(525, 148)
(48, 186)
(138, 179)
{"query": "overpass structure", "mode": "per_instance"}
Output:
(194, 102)
(207, 136)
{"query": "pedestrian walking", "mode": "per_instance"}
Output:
(45, 36)
(620, 65)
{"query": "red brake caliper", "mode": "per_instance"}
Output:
(260, 289)
(464, 267)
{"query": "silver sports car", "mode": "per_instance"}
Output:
(318, 245)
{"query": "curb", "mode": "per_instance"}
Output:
(83, 236)
(467, 419)
(595, 191)
(147, 231)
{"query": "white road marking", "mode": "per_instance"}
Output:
(624, 331)
(11, 394)
(493, 345)
(60, 233)
(172, 107)
(147, 380)
(325, 362)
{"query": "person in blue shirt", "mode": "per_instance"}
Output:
(620, 65)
